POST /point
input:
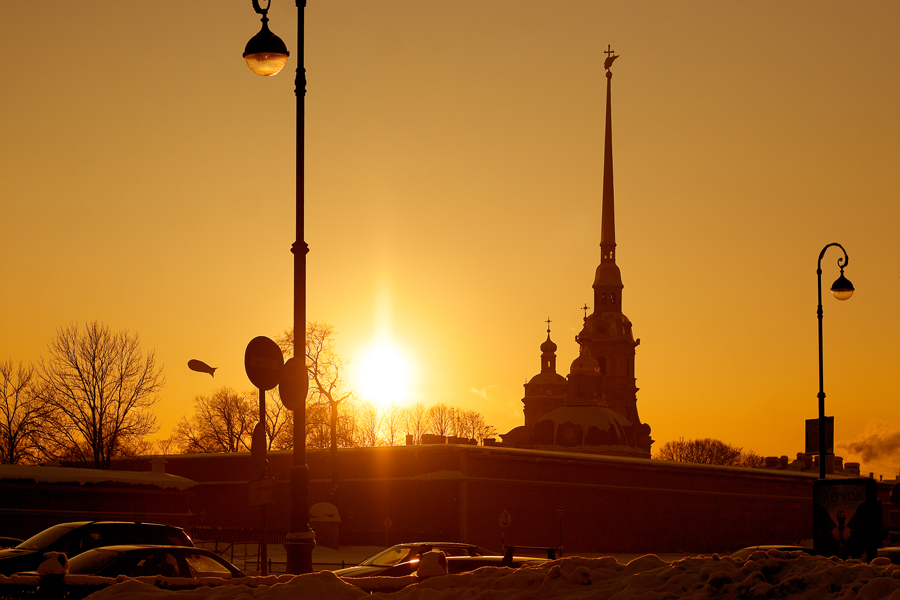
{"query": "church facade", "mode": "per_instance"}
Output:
(594, 408)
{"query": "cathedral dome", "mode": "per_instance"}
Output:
(549, 346)
(548, 378)
(585, 363)
(590, 428)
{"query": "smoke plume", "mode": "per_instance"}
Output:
(877, 446)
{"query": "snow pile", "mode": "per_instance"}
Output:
(55, 563)
(432, 564)
(51, 475)
(773, 574)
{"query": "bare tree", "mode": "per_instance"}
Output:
(368, 423)
(326, 378)
(472, 426)
(749, 458)
(708, 451)
(166, 446)
(101, 388)
(392, 425)
(326, 389)
(415, 421)
(222, 422)
(23, 417)
(439, 418)
(279, 423)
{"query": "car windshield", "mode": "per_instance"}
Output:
(46, 537)
(392, 556)
(206, 566)
(92, 561)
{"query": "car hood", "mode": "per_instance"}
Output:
(11, 552)
(359, 571)
(13, 560)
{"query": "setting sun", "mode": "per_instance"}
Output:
(384, 375)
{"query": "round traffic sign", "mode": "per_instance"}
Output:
(294, 384)
(263, 362)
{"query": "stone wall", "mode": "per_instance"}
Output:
(457, 492)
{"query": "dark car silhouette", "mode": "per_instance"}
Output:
(145, 561)
(77, 537)
(403, 553)
(463, 564)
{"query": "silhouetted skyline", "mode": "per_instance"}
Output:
(454, 157)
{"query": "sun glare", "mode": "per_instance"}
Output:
(384, 375)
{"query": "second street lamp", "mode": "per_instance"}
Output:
(841, 289)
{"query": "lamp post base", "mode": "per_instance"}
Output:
(299, 548)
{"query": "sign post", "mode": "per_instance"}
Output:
(505, 519)
(264, 364)
(846, 518)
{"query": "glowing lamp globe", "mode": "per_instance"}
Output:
(842, 289)
(266, 53)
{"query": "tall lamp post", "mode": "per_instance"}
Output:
(266, 54)
(841, 289)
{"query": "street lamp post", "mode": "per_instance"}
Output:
(841, 289)
(266, 54)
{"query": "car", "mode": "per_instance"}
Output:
(402, 553)
(744, 553)
(462, 564)
(134, 560)
(79, 536)
(891, 552)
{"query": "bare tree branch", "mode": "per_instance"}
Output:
(101, 388)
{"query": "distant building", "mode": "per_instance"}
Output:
(594, 409)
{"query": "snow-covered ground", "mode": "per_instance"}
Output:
(764, 575)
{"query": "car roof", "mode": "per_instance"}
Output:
(74, 524)
(127, 547)
(460, 544)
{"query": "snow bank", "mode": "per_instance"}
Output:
(790, 575)
(93, 476)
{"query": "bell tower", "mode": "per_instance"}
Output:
(612, 342)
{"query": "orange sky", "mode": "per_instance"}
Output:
(454, 165)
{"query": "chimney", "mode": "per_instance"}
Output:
(158, 464)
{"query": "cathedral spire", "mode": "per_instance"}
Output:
(608, 280)
(608, 219)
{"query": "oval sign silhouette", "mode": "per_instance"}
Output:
(263, 362)
(294, 384)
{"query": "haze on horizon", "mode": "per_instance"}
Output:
(453, 184)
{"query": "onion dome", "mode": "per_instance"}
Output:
(548, 347)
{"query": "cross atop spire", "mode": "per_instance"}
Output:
(585, 309)
(548, 321)
(610, 57)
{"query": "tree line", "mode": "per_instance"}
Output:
(709, 451)
(91, 398)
